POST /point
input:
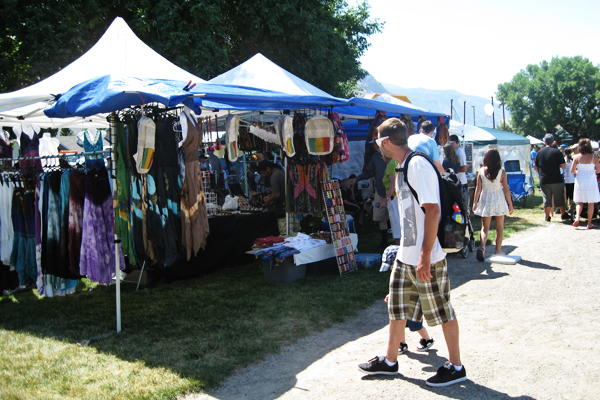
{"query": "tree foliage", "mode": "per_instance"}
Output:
(318, 40)
(563, 93)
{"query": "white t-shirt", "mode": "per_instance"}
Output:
(423, 179)
(463, 161)
(569, 176)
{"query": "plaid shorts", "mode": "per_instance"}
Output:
(411, 298)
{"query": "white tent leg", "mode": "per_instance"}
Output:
(113, 170)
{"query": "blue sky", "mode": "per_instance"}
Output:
(474, 45)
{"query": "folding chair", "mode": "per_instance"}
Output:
(519, 190)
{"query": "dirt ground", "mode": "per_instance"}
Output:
(527, 331)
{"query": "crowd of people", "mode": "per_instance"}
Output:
(568, 178)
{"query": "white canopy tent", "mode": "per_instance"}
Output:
(535, 141)
(260, 72)
(118, 51)
(456, 128)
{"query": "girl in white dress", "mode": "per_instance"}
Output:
(585, 167)
(492, 199)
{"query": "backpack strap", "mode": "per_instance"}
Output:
(405, 171)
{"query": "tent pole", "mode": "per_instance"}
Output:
(287, 216)
(113, 171)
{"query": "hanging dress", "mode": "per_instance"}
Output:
(93, 142)
(76, 203)
(160, 227)
(137, 205)
(7, 188)
(23, 254)
(123, 210)
(97, 260)
(51, 226)
(169, 161)
(194, 217)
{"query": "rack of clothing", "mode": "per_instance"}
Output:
(47, 238)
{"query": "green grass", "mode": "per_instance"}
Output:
(181, 336)
(176, 337)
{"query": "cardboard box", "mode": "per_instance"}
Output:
(285, 272)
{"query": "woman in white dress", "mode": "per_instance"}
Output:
(492, 199)
(585, 167)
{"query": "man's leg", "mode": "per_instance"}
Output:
(383, 230)
(397, 335)
(451, 335)
(424, 334)
(547, 194)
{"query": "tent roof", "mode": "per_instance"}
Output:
(534, 140)
(115, 92)
(394, 107)
(260, 72)
(119, 51)
(398, 96)
(456, 128)
(483, 136)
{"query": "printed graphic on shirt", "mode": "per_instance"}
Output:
(407, 211)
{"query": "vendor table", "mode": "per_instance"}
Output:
(321, 253)
(229, 238)
(311, 262)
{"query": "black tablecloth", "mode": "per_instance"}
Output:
(229, 238)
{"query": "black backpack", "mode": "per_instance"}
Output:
(451, 234)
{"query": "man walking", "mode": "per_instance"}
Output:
(419, 282)
(548, 163)
(462, 172)
(425, 143)
(376, 169)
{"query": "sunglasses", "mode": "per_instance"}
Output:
(380, 140)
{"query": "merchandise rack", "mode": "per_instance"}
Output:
(338, 226)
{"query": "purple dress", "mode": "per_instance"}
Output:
(97, 260)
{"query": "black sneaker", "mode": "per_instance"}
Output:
(447, 375)
(424, 344)
(378, 366)
(403, 348)
(565, 216)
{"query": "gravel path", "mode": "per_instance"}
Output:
(528, 331)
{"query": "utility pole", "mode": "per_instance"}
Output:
(465, 113)
(473, 107)
(451, 107)
(503, 117)
(493, 114)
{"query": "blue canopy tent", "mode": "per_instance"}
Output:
(358, 107)
(357, 130)
(115, 92)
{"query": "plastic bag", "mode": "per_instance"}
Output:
(230, 204)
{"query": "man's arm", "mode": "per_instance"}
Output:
(438, 166)
(463, 169)
(432, 217)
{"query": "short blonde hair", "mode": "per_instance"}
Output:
(395, 130)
